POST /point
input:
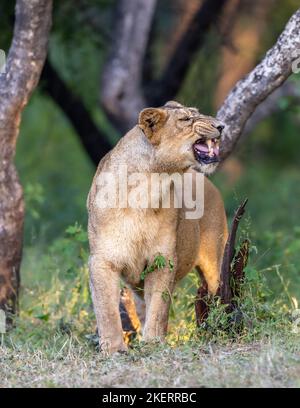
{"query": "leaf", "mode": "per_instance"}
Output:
(44, 317)
(160, 261)
(283, 103)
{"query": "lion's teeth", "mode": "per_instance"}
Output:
(210, 146)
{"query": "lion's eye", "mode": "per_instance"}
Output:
(185, 118)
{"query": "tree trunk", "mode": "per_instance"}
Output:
(176, 69)
(185, 12)
(121, 94)
(264, 79)
(242, 25)
(239, 56)
(25, 61)
(11, 228)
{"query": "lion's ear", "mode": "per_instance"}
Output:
(173, 104)
(151, 120)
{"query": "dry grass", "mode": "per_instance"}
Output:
(271, 364)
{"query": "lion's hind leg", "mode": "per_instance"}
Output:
(130, 314)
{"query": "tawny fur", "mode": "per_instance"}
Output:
(124, 240)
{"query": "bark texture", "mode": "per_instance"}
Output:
(168, 85)
(24, 64)
(267, 76)
(121, 92)
(244, 24)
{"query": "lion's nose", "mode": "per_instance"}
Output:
(218, 125)
(220, 128)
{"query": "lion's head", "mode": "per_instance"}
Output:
(183, 138)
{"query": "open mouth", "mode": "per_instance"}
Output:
(206, 151)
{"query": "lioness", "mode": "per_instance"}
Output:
(123, 241)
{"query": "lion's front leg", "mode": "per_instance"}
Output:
(105, 287)
(158, 290)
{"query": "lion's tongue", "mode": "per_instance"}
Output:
(202, 147)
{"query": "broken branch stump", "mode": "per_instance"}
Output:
(232, 272)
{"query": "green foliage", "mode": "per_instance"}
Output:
(6, 18)
(90, 19)
(54, 171)
(258, 314)
(159, 262)
(59, 297)
(34, 198)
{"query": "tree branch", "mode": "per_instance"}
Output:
(121, 93)
(175, 72)
(267, 76)
(95, 142)
(225, 290)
